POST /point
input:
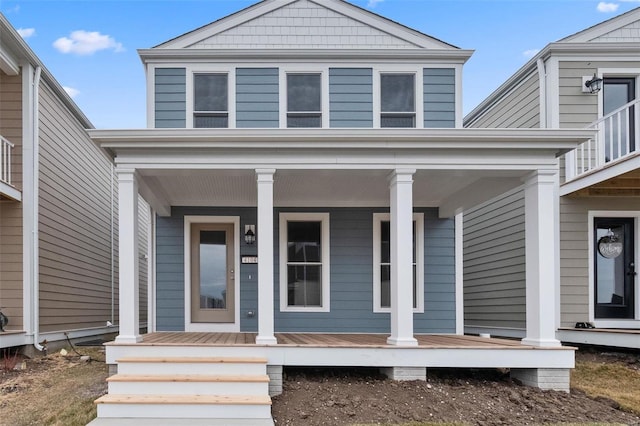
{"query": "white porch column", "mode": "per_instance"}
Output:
(128, 257)
(401, 226)
(265, 256)
(541, 232)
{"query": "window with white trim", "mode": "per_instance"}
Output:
(211, 100)
(304, 262)
(304, 100)
(382, 262)
(397, 100)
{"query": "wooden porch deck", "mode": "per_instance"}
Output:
(324, 340)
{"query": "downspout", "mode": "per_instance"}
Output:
(35, 243)
(113, 264)
(542, 78)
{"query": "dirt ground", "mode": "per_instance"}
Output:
(59, 390)
(477, 397)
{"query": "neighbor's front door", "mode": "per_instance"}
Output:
(614, 266)
(212, 273)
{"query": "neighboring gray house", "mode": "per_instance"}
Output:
(598, 192)
(306, 164)
(58, 218)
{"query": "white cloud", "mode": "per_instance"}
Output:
(373, 3)
(605, 7)
(71, 91)
(26, 32)
(86, 43)
(530, 53)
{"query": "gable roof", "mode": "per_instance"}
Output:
(303, 24)
(625, 27)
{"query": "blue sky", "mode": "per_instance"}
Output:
(90, 45)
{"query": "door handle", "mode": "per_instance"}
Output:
(632, 269)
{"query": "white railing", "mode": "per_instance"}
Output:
(617, 138)
(5, 160)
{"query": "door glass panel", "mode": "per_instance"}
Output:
(213, 270)
(614, 273)
(619, 128)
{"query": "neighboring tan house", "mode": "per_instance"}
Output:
(305, 161)
(58, 219)
(597, 208)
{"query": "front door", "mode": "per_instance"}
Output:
(614, 266)
(212, 273)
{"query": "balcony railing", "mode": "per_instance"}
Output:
(6, 148)
(617, 137)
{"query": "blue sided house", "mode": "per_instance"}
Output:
(307, 167)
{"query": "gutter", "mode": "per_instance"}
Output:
(35, 244)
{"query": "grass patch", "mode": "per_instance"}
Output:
(612, 380)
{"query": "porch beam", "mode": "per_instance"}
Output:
(265, 257)
(541, 232)
(129, 294)
(401, 224)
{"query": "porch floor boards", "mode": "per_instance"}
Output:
(325, 340)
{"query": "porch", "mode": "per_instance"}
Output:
(360, 350)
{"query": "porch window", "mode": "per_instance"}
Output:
(382, 262)
(304, 262)
(398, 100)
(304, 100)
(211, 100)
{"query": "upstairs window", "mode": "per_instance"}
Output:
(304, 100)
(211, 101)
(398, 100)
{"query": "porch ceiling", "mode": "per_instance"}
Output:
(316, 188)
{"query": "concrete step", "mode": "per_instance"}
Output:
(185, 406)
(186, 384)
(191, 366)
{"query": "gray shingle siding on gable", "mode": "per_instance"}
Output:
(439, 97)
(170, 98)
(351, 97)
(257, 98)
(351, 274)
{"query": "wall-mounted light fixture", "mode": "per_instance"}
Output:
(249, 234)
(591, 84)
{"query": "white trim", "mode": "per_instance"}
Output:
(542, 91)
(418, 218)
(615, 338)
(265, 243)
(151, 273)
(418, 72)
(517, 333)
(11, 339)
(458, 96)
(190, 71)
(150, 71)
(459, 266)
(210, 327)
(10, 191)
(612, 323)
(553, 93)
(326, 259)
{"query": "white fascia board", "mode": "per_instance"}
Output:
(558, 139)
(8, 64)
(454, 56)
